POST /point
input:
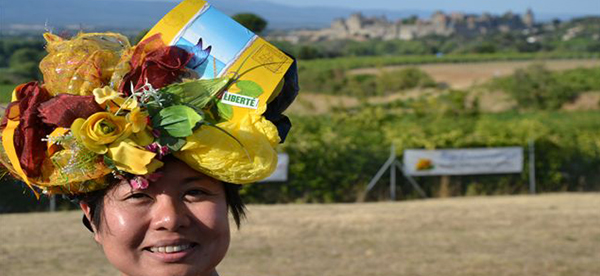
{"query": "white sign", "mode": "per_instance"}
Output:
(463, 161)
(239, 100)
(281, 173)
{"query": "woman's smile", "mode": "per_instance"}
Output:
(176, 252)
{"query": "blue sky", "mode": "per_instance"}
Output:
(494, 6)
(591, 7)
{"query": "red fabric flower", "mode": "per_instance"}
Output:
(28, 136)
(160, 66)
(63, 109)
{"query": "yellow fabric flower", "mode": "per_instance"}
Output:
(138, 119)
(110, 98)
(104, 94)
(214, 153)
(142, 138)
(99, 130)
(126, 104)
(133, 159)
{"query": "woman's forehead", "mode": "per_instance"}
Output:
(175, 174)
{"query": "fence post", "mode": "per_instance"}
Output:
(444, 186)
(393, 180)
(532, 188)
(52, 203)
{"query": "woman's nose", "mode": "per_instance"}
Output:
(169, 214)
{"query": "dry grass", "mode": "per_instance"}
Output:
(555, 234)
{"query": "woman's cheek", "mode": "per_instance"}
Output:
(127, 223)
(213, 214)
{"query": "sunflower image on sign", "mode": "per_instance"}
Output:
(424, 165)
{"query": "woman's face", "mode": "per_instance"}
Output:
(177, 226)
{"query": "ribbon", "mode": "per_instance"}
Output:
(9, 147)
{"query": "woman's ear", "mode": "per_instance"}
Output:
(87, 213)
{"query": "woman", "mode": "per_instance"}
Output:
(177, 226)
(154, 158)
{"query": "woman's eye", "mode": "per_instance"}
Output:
(137, 196)
(196, 193)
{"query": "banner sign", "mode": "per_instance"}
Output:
(463, 161)
(281, 173)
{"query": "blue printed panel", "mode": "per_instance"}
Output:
(225, 36)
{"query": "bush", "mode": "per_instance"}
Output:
(403, 79)
(338, 81)
(535, 87)
(333, 157)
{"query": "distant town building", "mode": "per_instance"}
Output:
(358, 27)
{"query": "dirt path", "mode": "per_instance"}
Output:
(463, 75)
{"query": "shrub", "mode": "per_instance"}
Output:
(333, 157)
(535, 87)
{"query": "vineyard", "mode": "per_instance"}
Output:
(334, 154)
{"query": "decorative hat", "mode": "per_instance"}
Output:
(198, 86)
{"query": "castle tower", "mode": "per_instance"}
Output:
(528, 19)
(355, 23)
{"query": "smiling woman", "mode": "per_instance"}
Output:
(177, 226)
(146, 142)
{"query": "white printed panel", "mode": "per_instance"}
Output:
(463, 161)
(281, 173)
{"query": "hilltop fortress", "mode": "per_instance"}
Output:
(360, 28)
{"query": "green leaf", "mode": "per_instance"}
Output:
(249, 88)
(225, 111)
(174, 144)
(197, 93)
(179, 120)
(109, 162)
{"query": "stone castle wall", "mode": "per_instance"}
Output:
(358, 27)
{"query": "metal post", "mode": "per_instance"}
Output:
(390, 164)
(532, 188)
(411, 180)
(392, 182)
(382, 170)
(52, 203)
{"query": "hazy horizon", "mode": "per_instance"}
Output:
(587, 7)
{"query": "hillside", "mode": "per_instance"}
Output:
(550, 234)
(451, 75)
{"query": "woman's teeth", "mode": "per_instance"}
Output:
(170, 249)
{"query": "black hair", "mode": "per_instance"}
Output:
(95, 201)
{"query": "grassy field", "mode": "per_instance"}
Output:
(552, 234)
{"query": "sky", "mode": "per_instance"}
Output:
(578, 7)
(591, 7)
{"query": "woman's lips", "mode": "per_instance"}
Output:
(172, 253)
(171, 248)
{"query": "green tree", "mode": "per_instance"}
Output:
(308, 52)
(251, 21)
(536, 87)
(24, 62)
(139, 36)
(24, 55)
